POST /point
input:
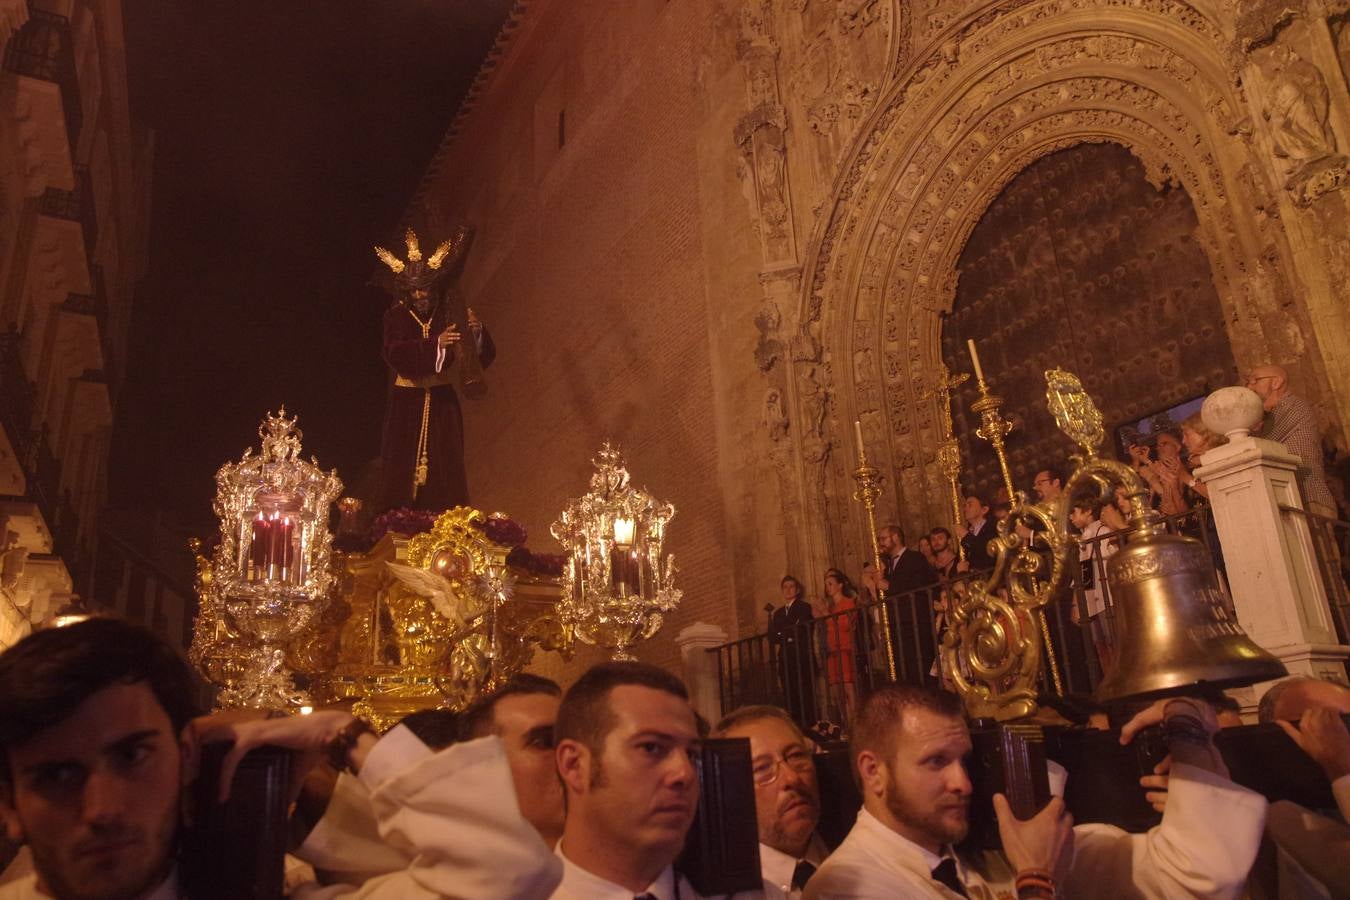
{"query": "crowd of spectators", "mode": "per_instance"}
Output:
(911, 596)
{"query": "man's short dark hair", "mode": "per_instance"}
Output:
(978, 498)
(585, 715)
(1053, 473)
(876, 725)
(756, 713)
(437, 728)
(478, 719)
(1088, 503)
(44, 677)
(939, 529)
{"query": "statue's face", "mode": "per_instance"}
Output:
(421, 298)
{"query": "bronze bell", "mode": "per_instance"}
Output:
(1173, 628)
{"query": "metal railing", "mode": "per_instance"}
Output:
(127, 579)
(817, 670)
(1331, 551)
(17, 396)
(74, 206)
(44, 49)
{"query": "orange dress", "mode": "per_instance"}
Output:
(839, 629)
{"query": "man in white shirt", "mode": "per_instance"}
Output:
(1094, 548)
(452, 813)
(345, 843)
(908, 745)
(91, 761)
(626, 737)
(787, 797)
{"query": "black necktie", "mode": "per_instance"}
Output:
(802, 874)
(946, 873)
(646, 896)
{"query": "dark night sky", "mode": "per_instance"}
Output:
(289, 137)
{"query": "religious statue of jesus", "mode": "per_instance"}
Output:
(430, 342)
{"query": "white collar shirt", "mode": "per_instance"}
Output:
(777, 868)
(578, 884)
(875, 863)
(977, 526)
(26, 889)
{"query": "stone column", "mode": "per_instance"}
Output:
(1272, 571)
(700, 667)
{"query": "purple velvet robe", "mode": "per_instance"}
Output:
(411, 356)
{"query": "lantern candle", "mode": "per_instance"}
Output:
(273, 544)
(258, 547)
(287, 547)
(975, 360)
(857, 436)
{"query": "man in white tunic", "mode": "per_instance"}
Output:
(908, 747)
(626, 735)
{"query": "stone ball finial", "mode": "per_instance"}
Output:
(1232, 411)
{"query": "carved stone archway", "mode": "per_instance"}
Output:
(1008, 84)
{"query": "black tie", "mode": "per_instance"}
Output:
(802, 874)
(946, 873)
(646, 896)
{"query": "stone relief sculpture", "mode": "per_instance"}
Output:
(1299, 105)
(775, 415)
(1298, 108)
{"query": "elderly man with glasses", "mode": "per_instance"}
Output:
(787, 798)
(1291, 421)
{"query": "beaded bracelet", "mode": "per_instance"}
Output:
(1035, 884)
(339, 747)
(1185, 727)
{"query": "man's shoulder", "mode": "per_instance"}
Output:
(24, 888)
(1293, 412)
(859, 875)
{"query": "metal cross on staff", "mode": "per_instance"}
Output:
(949, 452)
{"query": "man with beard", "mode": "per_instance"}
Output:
(787, 797)
(904, 575)
(93, 751)
(91, 761)
(626, 735)
(908, 746)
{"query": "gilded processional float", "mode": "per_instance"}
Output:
(437, 609)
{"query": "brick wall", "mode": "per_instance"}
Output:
(588, 267)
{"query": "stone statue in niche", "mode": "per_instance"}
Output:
(768, 348)
(775, 416)
(769, 176)
(813, 400)
(1298, 109)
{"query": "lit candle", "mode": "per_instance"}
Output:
(273, 544)
(258, 549)
(857, 436)
(287, 547)
(623, 531)
(975, 358)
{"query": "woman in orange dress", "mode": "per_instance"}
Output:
(840, 624)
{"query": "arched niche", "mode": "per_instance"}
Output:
(1004, 87)
(1080, 263)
